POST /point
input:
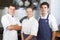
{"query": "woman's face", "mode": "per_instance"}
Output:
(29, 12)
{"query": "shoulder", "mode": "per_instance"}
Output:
(39, 18)
(34, 20)
(4, 17)
(51, 17)
(15, 18)
(25, 20)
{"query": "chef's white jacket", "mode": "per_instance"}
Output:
(7, 20)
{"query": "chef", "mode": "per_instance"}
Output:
(47, 24)
(10, 24)
(29, 26)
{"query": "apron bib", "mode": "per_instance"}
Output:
(44, 32)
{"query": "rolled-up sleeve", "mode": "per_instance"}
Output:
(34, 28)
(54, 24)
(4, 22)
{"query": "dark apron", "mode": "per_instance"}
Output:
(33, 38)
(44, 32)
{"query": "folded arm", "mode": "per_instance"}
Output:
(14, 27)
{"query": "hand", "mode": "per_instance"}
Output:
(27, 39)
(9, 27)
(22, 38)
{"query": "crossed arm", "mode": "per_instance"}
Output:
(14, 27)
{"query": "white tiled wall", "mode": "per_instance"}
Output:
(55, 9)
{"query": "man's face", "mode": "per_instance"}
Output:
(44, 9)
(11, 10)
(29, 12)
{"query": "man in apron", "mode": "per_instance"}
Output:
(47, 24)
(10, 24)
(29, 26)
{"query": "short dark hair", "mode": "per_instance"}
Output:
(11, 5)
(29, 7)
(45, 3)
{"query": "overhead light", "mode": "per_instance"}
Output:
(35, 3)
(27, 3)
(20, 2)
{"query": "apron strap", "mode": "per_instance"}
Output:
(48, 16)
